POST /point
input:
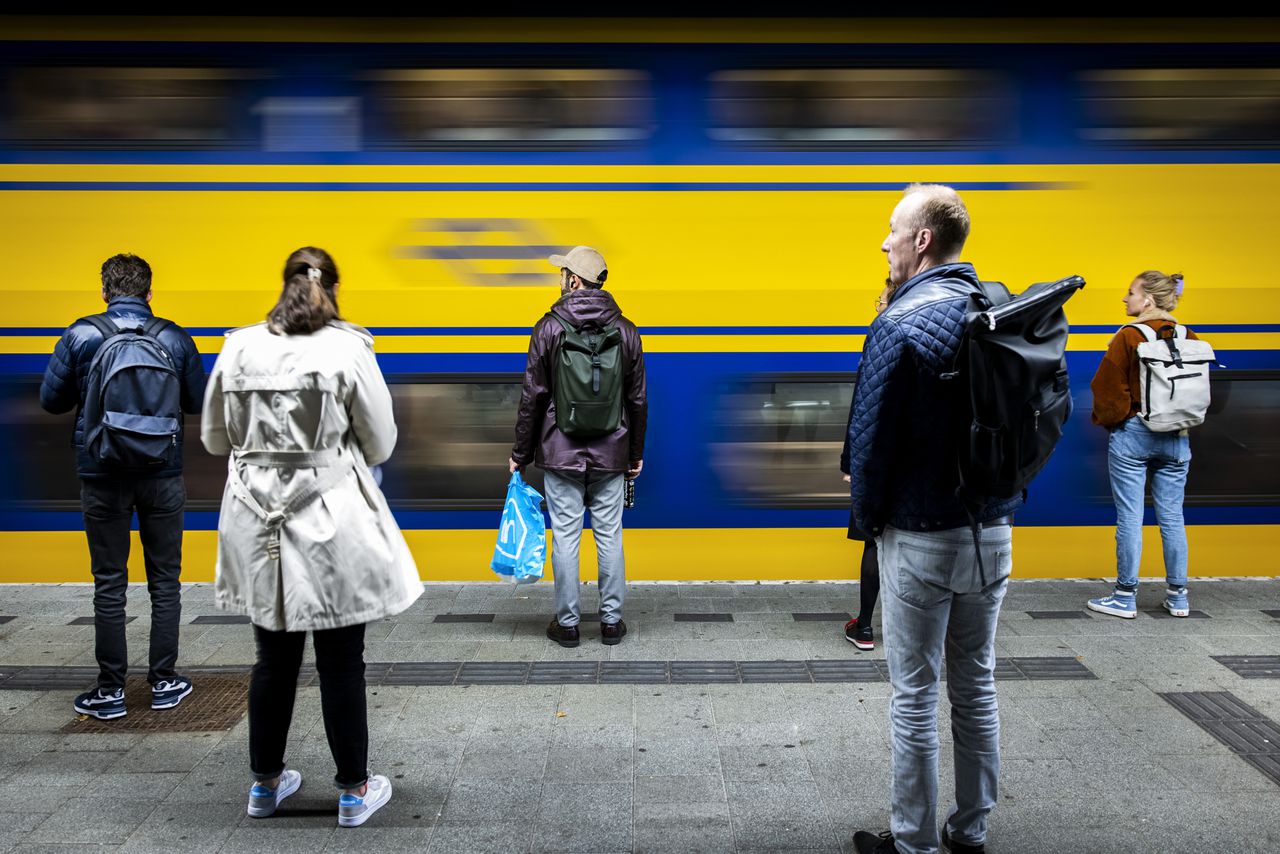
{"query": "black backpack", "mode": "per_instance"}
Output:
(588, 380)
(132, 406)
(1012, 388)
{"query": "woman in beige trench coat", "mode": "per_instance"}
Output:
(306, 541)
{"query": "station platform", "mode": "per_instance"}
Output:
(732, 718)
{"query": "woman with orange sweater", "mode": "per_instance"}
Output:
(1133, 450)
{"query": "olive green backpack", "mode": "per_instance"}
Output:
(588, 380)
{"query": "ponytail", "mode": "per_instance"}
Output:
(308, 300)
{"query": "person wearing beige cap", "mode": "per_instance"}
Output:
(582, 418)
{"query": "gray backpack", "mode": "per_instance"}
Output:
(1173, 378)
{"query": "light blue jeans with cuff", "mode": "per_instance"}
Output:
(569, 495)
(1133, 451)
(935, 601)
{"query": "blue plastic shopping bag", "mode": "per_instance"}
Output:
(522, 538)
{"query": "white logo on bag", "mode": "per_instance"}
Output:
(509, 530)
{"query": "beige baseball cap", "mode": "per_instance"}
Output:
(584, 261)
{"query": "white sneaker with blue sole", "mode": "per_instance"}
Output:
(263, 801)
(354, 810)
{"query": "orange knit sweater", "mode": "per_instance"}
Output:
(1116, 384)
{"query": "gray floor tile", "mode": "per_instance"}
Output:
(483, 800)
(180, 828)
(779, 816)
(692, 828)
(651, 790)
(586, 764)
(584, 817)
(493, 837)
(256, 839)
(92, 820)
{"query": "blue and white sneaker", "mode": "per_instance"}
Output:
(1176, 603)
(102, 704)
(354, 810)
(1121, 603)
(263, 801)
(168, 693)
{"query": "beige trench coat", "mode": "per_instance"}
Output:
(299, 414)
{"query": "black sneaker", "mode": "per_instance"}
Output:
(959, 847)
(102, 703)
(566, 636)
(859, 636)
(611, 633)
(866, 842)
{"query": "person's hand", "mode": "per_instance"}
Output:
(846, 478)
(513, 465)
(634, 471)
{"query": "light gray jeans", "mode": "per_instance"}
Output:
(569, 494)
(934, 599)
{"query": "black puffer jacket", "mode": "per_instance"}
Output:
(67, 376)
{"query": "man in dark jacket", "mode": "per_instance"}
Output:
(583, 473)
(109, 498)
(903, 484)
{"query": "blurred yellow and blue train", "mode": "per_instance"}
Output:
(738, 175)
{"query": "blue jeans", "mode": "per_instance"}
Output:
(569, 496)
(934, 599)
(1132, 452)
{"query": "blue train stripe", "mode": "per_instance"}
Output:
(507, 186)
(707, 156)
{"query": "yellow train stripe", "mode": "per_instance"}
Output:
(748, 554)
(635, 30)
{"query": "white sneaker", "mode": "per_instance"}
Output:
(263, 801)
(354, 810)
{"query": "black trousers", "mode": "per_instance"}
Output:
(109, 505)
(340, 664)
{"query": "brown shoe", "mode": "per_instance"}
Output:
(566, 636)
(611, 633)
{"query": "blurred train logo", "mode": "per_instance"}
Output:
(494, 252)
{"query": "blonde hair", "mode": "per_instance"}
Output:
(943, 213)
(1163, 290)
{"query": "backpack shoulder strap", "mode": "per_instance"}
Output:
(1147, 332)
(568, 327)
(102, 324)
(155, 326)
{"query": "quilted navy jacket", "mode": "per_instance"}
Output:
(902, 453)
(66, 377)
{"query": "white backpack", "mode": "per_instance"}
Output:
(1173, 379)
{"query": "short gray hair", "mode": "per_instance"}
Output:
(944, 214)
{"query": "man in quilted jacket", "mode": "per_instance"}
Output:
(109, 498)
(903, 485)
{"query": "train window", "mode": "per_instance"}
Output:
(779, 439)
(1235, 454)
(495, 108)
(861, 108)
(455, 438)
(110, 108)
(1181, 107)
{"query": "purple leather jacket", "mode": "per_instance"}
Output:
(538, 440)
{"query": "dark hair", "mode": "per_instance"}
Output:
(307, 302)
(125, 276)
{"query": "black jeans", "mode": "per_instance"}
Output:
(109, 504)
(340, 663)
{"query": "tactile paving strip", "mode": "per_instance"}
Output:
(574, 672)
(1059, 615)
(220, 620)
(822, 617)
(463, 618)
(89, 621)
(216, 704)
(703, 618)
(1251, 666)
(1249, 734)
(4, 620)
(1270, 612)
